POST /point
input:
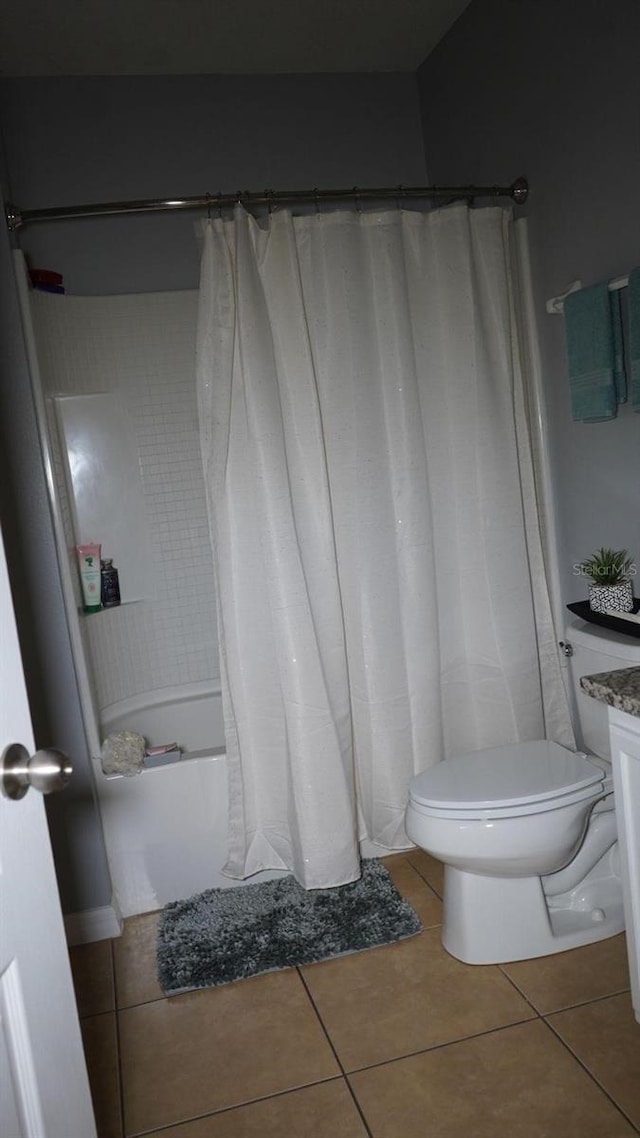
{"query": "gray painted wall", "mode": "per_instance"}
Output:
(75, 140)
(552, 90)
(100, 139)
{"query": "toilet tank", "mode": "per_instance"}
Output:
(596, 649)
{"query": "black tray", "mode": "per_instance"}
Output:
(614, 623)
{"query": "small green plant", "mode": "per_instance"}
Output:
(608, 566)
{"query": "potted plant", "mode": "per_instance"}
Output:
(610, 572)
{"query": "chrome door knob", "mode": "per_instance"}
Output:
(47, 770)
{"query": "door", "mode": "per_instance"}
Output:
(44, 1090)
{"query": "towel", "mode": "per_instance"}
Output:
(619, 370)
(590, 354)
(633, 295)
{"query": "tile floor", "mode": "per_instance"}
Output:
(398, 1042)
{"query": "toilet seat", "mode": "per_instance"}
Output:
(523, 778)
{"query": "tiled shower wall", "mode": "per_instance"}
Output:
(142, 348)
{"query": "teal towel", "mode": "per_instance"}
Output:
(590, 354)
(619, 372)
(633, 296)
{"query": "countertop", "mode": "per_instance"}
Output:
(620, 688)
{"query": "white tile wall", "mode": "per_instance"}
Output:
(143, 348)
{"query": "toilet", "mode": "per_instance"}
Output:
(527, 832)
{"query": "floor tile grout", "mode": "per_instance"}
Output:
(236, 1106)
(585, 1003)
(97, 1015)
(423, 878)
(591, 1075)
(438, 1046)
(518, 989)
(118, 1048)
(557, 1011)
(335, 1053)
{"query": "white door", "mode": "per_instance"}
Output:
(44, 1090)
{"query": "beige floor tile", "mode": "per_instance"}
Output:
(403, 997)
(516, 1083)
(134, 955)
(92, 968)
(101, 1052)
(429, 868)
(574, 977)
(413, 888)
(324, 1111)
(218, 1048)
(606, 1037)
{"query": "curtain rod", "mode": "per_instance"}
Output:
(518, 191)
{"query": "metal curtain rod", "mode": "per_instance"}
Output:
(518, 191)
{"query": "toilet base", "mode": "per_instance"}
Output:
(495, 920)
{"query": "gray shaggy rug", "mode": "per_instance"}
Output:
(227, 934)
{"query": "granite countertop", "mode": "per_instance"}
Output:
(620, 688)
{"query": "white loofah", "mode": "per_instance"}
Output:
(123, 753)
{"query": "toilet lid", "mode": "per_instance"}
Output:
(504, 776)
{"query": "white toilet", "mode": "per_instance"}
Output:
(527, 832)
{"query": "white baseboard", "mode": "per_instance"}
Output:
(93, 924)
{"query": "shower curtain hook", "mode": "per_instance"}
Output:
(316, 198)
(269, 196)
(208, 207)
(399, 195)
(356, 194)
(219, 199)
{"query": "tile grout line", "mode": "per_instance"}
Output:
(566, 1007)
(439, 1046)
(118, 1046)
(426, 881)
(335, 1054)
(585, 1003)
(96, 1015)
(160, 999)
(593, 1078)
(518, 990)
(237, 1106)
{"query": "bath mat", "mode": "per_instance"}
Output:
(228, 934)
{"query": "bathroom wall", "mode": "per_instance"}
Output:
(552, 90)
(99, 139)
(142, 350)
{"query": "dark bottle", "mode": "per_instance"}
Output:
(109, 584)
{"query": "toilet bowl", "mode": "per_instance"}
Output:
(505, 822)
(527, 832)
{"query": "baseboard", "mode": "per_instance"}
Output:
(93, 924)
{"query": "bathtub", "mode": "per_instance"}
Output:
(165, 829)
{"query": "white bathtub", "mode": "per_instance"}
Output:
(166, 829)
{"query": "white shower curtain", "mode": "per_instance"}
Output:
(373, 521)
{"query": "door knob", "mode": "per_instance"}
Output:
(47, 770)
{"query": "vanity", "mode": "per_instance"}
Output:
(621, 691)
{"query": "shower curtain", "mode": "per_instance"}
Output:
(380, 583)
